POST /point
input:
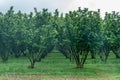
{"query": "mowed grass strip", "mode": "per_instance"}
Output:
(55, 77)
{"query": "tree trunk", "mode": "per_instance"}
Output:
(32, 64)
(93, 55)
(116, 54)
(4, 57)
(106, 55)
(80, 66)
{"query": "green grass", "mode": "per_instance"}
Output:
(55, 64)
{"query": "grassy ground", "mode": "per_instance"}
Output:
(56, 67)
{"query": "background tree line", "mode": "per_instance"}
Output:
(75, 34)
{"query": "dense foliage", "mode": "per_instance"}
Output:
(75, 34)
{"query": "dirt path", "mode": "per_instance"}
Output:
(52, 77)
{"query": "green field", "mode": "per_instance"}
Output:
(56, 67)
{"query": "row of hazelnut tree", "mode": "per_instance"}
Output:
(75, 34)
